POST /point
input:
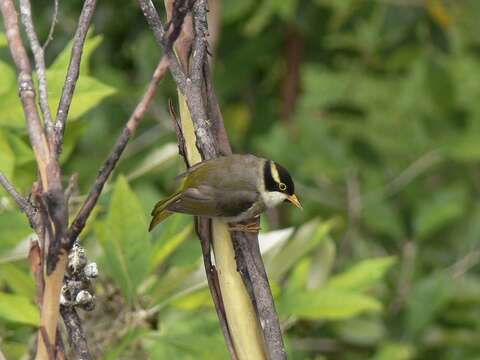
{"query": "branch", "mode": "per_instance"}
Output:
(22, 203)
(191, 85)
(52, 25)
(76, 335)
(155, 24)
(72, 73)
(26, 89)
(231, 296)
(107, 168)
(37, 50)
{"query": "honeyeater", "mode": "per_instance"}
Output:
(233, 188)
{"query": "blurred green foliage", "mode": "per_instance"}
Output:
(382, 140)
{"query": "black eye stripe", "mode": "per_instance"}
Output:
(270, 184)
(286, 183)
(286, 179)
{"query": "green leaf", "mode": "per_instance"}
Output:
(308, 237)
(7, 157)
(18, 309)
(125, 240)
(382, 217)
(63, 59)
(14, 350)
(9, 80)
(361, 331)
(465, 147)
(442, 208)
(15, 228)
(324, 259)
(297, 281)
(362, 275)
(395, 351)
(428, 297)
(3, 40)
(21, 282)
(12, 113)
(233, 10)
(327, 304)
(23, 152)
(89, 92)
(195, 300)
(169, 245)
(116, 350)
(187, 335)
(189, 347)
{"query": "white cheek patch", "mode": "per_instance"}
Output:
(274, 171)
(272, 199)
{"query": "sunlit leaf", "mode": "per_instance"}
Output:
(7, 74)
(7, 157)
(362, 331)
(63, 59)
(326, 304)
(429, 295)
(89, 92)
(19, 309)
(442, 208)
(125, 240)
(18, 280)
(362, 275)
(307, 238)
(395, 351)
(169, 245)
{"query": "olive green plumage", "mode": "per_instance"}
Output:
(234, 188)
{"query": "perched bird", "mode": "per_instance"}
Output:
(233, 188)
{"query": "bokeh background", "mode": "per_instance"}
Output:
(374, 107)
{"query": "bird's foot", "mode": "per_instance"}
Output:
(252, 227)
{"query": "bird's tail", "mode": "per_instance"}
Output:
(160, 211)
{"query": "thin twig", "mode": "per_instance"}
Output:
(107, 168)
(48, 344)
(22, 203)
(156, 25)
(76, 335)
(52, 25)
(37, 50)
(71, 187)
(72, 73)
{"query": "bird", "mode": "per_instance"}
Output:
(232, 188)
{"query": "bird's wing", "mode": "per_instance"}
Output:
(207, 201)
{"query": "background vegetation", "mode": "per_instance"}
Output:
(373, 106)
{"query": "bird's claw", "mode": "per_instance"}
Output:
(252, 227)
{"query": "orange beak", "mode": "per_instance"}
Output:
(294, 200)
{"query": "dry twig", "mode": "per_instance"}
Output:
(72, 73)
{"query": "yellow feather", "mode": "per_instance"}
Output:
(160, 211)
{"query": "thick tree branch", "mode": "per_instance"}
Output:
(76, 335)
(211, 141)
(37, 50)
(190, 85)
(80, 220)
(72, 73)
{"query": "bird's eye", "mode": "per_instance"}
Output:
(282, 186)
